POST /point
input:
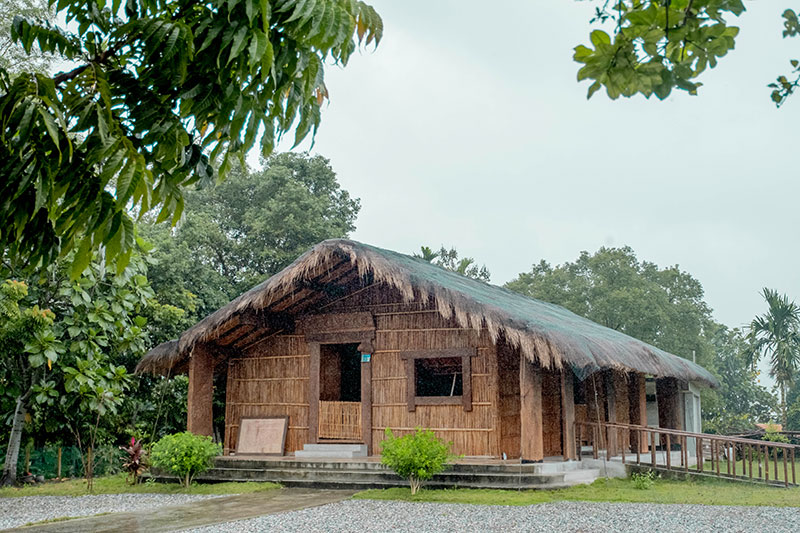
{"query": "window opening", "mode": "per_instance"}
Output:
(439, 376)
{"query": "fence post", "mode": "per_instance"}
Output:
(775, 460)
(638, 445)
(700, 459)
(653, 448)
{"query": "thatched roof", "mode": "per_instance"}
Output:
(543, 332)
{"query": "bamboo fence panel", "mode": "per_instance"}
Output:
(340, 420)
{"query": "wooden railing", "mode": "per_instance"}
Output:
(718, 455)
(340, 420)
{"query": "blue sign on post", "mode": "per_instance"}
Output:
(365, 357)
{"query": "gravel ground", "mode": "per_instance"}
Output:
(366, 516)
(18, 511)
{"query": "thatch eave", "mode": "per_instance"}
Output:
(544, 332)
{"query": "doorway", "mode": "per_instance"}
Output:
(340, 392)
(340, 373)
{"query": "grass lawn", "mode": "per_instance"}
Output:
(118, 485)
(711, 492)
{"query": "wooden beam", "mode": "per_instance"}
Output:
(466, 381)
(199, 411)
(638, 407)
(530, 388)
(438, 354)
(495, 445)
(411, 383)
(611, 404)
(567, 414)
(313, 391)
(366, 403)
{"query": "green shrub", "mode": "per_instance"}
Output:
(416, 457)
(644, 480)
(184, 455)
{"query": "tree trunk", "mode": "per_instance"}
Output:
(783, 406)
(12, 453)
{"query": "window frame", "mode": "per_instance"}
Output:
(465, 399)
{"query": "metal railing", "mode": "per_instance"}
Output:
(672, 449)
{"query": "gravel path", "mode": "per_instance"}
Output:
(15, 512)
(367, 516)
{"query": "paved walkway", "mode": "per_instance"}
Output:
(197, 514)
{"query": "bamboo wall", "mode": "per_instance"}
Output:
(508, 360)
(401, 327)
(272, 379)
(551, 412)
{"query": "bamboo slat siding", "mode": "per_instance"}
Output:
(272, 379)
(405, 327)
(340, 420)
(508, 367)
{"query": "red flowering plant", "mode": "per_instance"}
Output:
(135, 462)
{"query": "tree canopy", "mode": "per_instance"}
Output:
(664, 307)
(165, 95)
(448, 259)
(13, 57)
(249, 227)
(776, 335)
(651, 47)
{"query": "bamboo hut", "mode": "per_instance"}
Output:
(351, 339)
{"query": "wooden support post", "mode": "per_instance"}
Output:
(313, 391)
(366, 403)
(669, 409)
(749, 460)
(766, 463)
(638, 445)
(58, 471)
(530, 389)
(611, 402)
(567, 414)
(668, 456)
(200, 396)
(794, 479)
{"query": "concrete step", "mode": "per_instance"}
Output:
(450, 478)
(336, 447)
(333, 451)
(322, 464)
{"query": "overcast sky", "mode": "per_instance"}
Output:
(467, 127)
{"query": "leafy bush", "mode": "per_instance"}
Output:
(184, 455)
(644, 480)
(774, 436)
(416, 457)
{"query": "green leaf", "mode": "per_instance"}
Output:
(599, 37)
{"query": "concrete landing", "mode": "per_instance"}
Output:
(197, 514)
(332, 451)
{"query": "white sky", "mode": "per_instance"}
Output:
(467, 128)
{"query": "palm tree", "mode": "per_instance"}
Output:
(776, 334)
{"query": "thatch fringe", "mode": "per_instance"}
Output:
(544, 333)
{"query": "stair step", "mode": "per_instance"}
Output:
(335, 447)
(335, 451)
